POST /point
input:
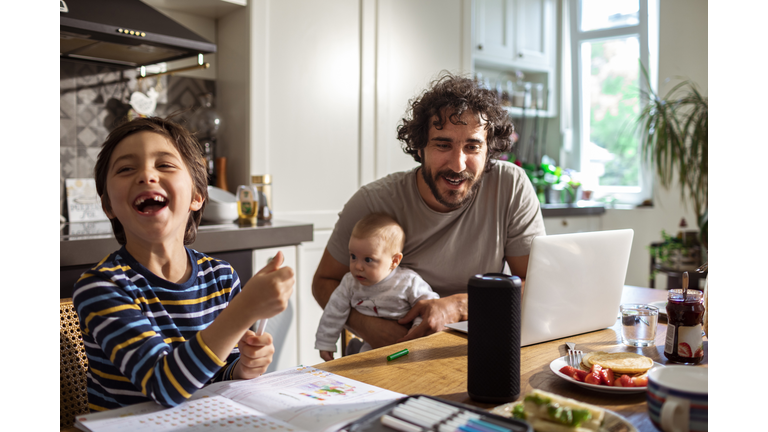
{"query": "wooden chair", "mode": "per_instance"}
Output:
(72, 366)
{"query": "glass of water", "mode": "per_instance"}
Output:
(638, 324)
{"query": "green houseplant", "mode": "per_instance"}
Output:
(673, 136)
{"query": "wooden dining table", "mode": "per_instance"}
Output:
(436, 365)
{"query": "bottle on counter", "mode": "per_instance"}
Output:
(263, 186)
(247, 205)
(685, 315)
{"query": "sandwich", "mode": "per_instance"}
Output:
(549, 412)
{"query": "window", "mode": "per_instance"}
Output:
(609, 41)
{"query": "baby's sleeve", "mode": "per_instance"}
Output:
(334, 316)
(420, 290)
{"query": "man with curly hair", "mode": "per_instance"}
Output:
(463, 211)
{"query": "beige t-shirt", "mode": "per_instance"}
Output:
(446, 249)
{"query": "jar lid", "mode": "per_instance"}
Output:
(692, 296)
(261, 179)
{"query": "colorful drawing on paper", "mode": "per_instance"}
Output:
(327, 388)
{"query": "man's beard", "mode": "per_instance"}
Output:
(457, 201)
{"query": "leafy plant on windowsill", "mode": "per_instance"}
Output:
(673, 134)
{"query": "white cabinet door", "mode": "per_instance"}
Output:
(516, 33)
(493, 29)
(283, 326)
(309, 312)
(535, 33)
(572, 224)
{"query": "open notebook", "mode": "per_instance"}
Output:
(573, 284)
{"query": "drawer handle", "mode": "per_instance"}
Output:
(480, 47)
(564, 223)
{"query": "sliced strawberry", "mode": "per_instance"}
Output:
(580, 375)
(626, 381)
(640, 381)
(606, 377)
(684, 350)
(592, 379)
(699, 352)
(567, 370)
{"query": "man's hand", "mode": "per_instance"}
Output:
(435, 314)
(255, 355)
(326, 355)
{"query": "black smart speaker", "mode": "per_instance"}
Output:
(493, 372)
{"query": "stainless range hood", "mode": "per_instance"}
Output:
(125, 33)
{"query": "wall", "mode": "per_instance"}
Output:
(683, 48)
(93, 97)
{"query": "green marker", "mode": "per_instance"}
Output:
(397, 354)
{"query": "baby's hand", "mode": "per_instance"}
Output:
(326, 355)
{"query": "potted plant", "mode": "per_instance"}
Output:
(673, 135)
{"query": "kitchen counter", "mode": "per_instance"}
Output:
(580, 208)
(89, 243)
(84, 244)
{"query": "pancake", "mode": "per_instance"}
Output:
(619, 362)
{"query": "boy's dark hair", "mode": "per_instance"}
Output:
(456, 95)
(188, 148)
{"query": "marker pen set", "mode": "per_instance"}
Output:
(420, 413)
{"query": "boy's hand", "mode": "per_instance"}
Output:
(255, 355)
(326, 355)
(270, 288)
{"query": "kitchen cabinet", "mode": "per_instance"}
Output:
(309, 312)
(516, 33)
(283, 327)
(510, 36)
(572, 224)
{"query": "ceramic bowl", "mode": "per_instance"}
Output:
(221, 206)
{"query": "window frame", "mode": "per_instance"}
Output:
(647, 32)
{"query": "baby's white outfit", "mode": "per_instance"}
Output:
(391, 298)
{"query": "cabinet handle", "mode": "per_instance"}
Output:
(565, 222)
(519, 54)
(480, 47)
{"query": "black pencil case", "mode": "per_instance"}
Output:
(371, 422)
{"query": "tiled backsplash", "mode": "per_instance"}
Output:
(95, 97)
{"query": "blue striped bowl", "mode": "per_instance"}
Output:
(686, 384)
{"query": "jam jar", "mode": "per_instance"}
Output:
(685, 313)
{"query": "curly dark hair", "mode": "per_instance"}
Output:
(455, 95)
(188, 148)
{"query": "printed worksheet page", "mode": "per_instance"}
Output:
(307, 398)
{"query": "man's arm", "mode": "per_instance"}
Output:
(377, 332)
(518, 265)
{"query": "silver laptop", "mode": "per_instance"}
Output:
(573, 284)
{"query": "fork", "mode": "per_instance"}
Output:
(574, 355)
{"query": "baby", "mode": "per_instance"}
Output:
(375, 285)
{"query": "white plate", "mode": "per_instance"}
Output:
(613, 422)
(558, 364)
(662, 305)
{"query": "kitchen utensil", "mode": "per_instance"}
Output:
(574, 355)
(221, 173)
